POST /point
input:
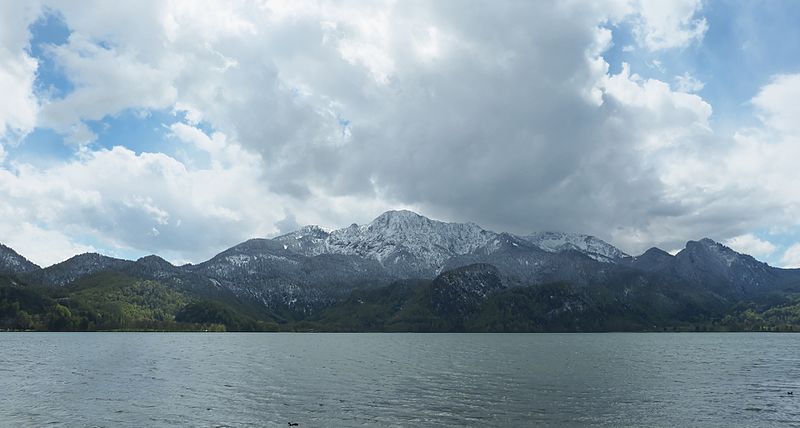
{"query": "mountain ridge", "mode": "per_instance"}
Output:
(412, 245)
(302, 274)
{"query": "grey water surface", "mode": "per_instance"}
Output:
(330, 380)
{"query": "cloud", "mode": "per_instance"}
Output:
(665, 25)
(147, 202)
(791, 257)
(42, 246)
(17, 74)
(688, 83)
(328, 113)
(752, 245)
(777, 102)
(287, 224)
(134, 204)
(107, 81)
(732, 186)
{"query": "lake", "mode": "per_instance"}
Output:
(260, 379)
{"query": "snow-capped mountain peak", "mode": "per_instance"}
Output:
(404, 242)
(408, 244)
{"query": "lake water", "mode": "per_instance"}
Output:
(196, 379)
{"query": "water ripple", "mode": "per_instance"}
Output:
(241, 380)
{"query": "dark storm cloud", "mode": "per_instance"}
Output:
(498, 128)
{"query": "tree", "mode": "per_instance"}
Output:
(24, 321)
(59, 318)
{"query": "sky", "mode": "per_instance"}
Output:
(181, 128)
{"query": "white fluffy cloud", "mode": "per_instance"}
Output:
(778, 104)
(791, 258)
(688, 83)
(17, 71)
(107, 81)
(751, 244)
(329, 112)
(40, 245)
(149, 202)
(669, 24)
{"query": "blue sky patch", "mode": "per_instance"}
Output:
(49, 30)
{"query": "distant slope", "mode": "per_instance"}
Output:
(74, 268)
(264, 271)
(716, 267)
(114, 301)
(475, 298)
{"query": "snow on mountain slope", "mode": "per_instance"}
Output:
(308, 240)
(410, 245)
(405, 243)
(269, 272)
(11, 262)
(559, 241)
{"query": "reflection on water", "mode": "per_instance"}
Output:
(151, 379)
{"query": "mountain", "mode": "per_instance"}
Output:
(477, 298)
(719, 268)
(713, 263)
(406, 244)
(155, 266)
(12, 263)
(268, 272)
(522, 262)
(460, 292)
(409, 245)
(406, 272)
(74, 268)
(150, 267)
(654, 259)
